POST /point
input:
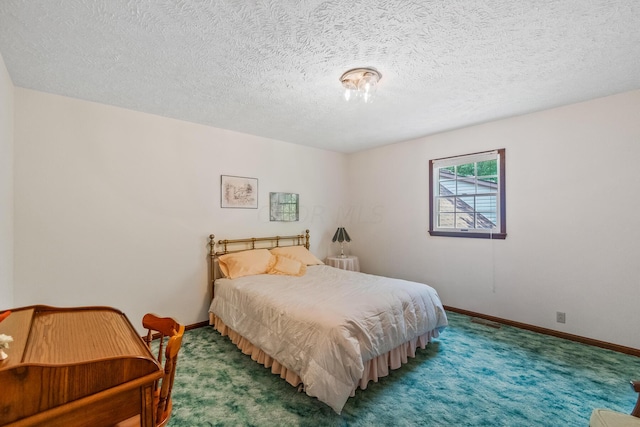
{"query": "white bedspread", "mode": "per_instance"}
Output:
(325, 324)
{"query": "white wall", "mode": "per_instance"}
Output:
(6, 187)
(573, 179)
(114, 207)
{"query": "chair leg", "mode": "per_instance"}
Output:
(636, 386)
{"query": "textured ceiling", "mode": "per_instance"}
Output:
(271, 67)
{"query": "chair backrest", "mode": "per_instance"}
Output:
(164, 327)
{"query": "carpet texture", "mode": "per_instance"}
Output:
(472, 375)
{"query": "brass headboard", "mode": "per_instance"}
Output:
(237, 245)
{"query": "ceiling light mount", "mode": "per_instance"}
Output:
(360, 83)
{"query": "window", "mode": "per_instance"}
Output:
(467, 196)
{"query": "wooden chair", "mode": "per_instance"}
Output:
(607, 418)
(164, 327)
(161, 327)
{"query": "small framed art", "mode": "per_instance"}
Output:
(284, 206)
(238, 192)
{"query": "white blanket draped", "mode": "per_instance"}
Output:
(325, 324)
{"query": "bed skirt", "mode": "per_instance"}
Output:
(375, 368)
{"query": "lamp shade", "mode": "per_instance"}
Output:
(341, 235)
(360, 83)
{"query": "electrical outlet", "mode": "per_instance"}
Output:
(561, 317)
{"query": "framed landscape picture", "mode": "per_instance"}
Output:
(238, 192)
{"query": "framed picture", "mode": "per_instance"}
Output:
(238, 192)
(284, 206)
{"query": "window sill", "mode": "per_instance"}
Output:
(463, 234)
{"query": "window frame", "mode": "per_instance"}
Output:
(501, 210)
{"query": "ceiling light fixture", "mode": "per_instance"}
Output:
(360, 83)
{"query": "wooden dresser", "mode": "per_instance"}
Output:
(82, 366)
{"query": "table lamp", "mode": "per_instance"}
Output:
(341, 236)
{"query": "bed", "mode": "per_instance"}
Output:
(325, 330)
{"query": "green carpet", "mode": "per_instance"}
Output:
(472, 375)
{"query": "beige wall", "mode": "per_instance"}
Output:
(114, 207)
(572, 202)
(6, 187)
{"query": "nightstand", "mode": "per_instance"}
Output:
(347, 263)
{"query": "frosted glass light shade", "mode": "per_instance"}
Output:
(360, 83)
